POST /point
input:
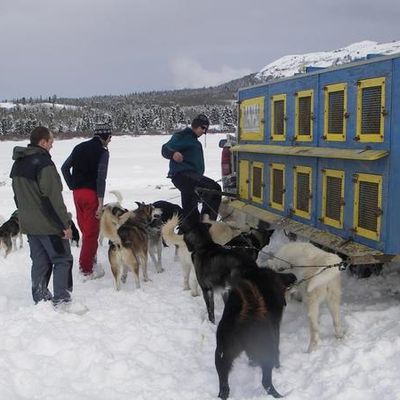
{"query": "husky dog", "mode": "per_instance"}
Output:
(110, 219)
(220, 233)
(129, 245)
(110, 215)
(155, 237)
(319, 284)
(252, 241)
(251, 323)
(216, 268)
(168, 209)
(9, 232)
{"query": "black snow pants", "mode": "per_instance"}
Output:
(186, 182)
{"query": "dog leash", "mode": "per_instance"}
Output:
(298, 283)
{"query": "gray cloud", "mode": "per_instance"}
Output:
(85, 47)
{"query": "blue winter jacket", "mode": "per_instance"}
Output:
(187, 143)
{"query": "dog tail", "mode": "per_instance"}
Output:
(117, 194)
(252, 301)
(168, 232)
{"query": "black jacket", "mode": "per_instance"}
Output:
(89, 163)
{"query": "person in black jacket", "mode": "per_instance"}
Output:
(89, 163)
(186, 169)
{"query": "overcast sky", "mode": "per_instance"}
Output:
(77, 48)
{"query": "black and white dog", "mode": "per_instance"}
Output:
(216, 267)
(252, 241)
(9, 232)
(75, 233)
(251, 323)
(168, 210)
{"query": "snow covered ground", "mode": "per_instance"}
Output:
(156, 342)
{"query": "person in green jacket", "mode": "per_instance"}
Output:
(186, 170)
(43, 217)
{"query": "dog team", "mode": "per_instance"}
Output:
(216, 256)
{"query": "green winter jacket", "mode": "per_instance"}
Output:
(38, 192)
(187, 143)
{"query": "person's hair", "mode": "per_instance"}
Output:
(39, 133)
(200, 120)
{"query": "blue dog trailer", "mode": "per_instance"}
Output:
(319, 154)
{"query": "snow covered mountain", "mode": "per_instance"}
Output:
(297, 63)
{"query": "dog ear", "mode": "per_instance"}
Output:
(140, 204)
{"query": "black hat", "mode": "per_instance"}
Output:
(200, 120)
(103, 131)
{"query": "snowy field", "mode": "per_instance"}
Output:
(156, 342)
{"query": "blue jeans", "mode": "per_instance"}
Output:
(50, 254)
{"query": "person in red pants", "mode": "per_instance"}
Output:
(85, 172)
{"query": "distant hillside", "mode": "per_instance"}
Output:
(166, 111)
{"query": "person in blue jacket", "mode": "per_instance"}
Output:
(186, 169)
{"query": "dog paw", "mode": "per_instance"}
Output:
(339, 335)
(312, 346)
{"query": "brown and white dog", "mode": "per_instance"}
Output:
(110, 218)
(129, 240)
(9, 231)
(319, 284)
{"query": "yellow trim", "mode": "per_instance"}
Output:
(339, 87)
(376, 136)
(251, 125)
(361, 231)
(308, 151)
(244, 170)
(335, 174)
(299, 95)
(280, 167)
(355, 251)
(278, 97)
(255, 198)
(303, 170)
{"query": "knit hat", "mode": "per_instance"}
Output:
(200, 120)
(103, 131)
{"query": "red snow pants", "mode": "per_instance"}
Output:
(86, 204)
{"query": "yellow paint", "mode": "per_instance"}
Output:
(299, 95)
(319, 152)
(376, 136)
(276, 167)
(359, 230)
(335, 136)
(302, 170)
(336, 174)
(244, 169)
(254, 197)
(275, 136)
(251, 123)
